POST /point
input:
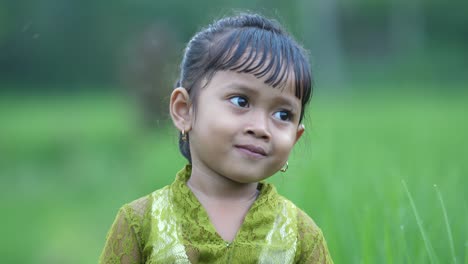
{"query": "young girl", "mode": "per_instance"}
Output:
(244, 84)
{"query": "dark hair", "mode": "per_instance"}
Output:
(247, 43)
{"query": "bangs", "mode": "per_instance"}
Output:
(264, 54)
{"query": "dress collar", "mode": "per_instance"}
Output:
(260, 214)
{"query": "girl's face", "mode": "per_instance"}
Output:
(244, 129)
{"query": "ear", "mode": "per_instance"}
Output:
(299, 132)
(180, 109)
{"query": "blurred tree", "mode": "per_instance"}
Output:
(149, 70)
(407, 26)
(321, 30)
(67, 43)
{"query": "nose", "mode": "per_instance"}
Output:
(258, 126)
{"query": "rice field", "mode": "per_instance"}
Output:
(385, 177)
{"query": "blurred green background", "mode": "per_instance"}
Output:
(84, 126)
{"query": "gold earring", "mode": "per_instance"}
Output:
(183, 135)
(285, 167)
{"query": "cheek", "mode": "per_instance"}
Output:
(285, 141)
(225, 130)
(214, 124)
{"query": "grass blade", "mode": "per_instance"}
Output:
(427, 243)
(447, 224)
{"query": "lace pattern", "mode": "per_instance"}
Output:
(280, 246)
(166, 246)
(171, 226)
(121, 243)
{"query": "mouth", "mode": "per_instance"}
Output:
(252, 150)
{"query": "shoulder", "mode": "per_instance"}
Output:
(134, 213)
(137, 215)
(303, 220)
(125, 239)
(138, 209)
(312, 244)
(306, 224)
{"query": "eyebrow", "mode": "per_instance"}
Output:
(242, 87)
(249, 90)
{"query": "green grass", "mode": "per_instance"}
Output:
(427, 242)
(68, 164)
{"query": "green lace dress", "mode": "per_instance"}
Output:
(171, 226)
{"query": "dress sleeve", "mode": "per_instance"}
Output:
(313, 247)
(122, 245)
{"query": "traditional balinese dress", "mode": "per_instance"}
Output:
(171, 226)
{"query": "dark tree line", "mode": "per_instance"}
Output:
(91, 42)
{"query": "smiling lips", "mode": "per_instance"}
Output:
(251, 150)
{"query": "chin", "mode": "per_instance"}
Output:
(248, 176)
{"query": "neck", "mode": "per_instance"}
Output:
(216, 187)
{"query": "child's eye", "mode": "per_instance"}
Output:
(239, 101)
(283, 115)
